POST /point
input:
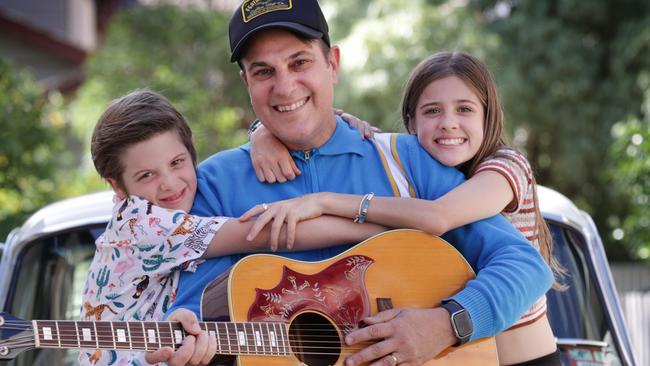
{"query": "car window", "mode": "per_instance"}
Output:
(49, 284)
(577, 312)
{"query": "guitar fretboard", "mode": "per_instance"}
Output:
(232, 338)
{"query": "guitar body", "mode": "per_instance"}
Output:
(323, 301)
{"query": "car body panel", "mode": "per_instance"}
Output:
(89, 213)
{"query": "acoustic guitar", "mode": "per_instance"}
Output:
(270, 310)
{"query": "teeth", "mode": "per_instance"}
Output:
(455, 141)
(292, 107)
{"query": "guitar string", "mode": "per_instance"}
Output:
(73, 339)
(346, 350)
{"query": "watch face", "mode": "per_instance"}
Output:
(462, 324)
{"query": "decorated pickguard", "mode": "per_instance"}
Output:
(338, 291)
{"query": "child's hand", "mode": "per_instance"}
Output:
(289, 211)
(365, 129)
(271, 159)
(198, 347)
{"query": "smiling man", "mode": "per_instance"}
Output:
(290, 69)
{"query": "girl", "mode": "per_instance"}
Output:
(450, 101)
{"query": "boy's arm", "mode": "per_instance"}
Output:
(320, 232)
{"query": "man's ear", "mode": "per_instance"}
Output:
(242, 75)
(334, 60)
(119, 192)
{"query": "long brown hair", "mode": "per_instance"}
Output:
(478, 78)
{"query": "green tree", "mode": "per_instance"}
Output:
(568, 71)
(31, 147)
(387, 40)
(631, 176)
(181, 53)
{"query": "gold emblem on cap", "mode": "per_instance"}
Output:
(251, 9)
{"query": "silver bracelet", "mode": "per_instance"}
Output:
(363, 208)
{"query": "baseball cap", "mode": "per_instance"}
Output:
(301, 16)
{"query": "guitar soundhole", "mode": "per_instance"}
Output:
(314, 340)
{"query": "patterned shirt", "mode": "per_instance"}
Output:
(134, 274)
(521, 211)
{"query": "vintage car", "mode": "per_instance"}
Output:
(44, 264)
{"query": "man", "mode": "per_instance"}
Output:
(290, 69)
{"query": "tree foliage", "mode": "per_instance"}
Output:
(31, 147)
(569, 71)
(631, 176)
(182, 54)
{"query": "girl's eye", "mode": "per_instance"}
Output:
(178, 161)
(465, 109)
(433, 110)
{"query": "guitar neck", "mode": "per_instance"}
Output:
(252, 338)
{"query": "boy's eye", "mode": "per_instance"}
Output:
(178, 161)
(145, 176)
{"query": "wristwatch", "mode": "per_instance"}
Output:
(254, 126)
(461, 322)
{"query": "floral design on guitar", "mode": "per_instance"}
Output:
(338, 291)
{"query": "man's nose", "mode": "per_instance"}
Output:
(285, 83)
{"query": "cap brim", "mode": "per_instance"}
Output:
(299, 28)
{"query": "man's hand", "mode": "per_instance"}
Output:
(198, 347)
(405, 337)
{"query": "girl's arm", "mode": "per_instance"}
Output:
(271, 159)
(320, 232)
(484, 195)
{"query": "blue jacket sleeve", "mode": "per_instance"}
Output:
(511, 274)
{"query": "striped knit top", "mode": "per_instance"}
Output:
(521, 211)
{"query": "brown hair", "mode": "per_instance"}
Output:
(130, 119)
(479, 79)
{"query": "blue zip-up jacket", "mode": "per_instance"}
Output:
(511, 274)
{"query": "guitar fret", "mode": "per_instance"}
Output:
(85, 334)
(228, 338)
(159, 336)
(283, 339)
(121, 335)
(76, 329)
(171, 335)
(58, 334)
(67, 334)
(113, 336)
(241, 337)
(250, 339)
(104, 335)
(165, 334)
(45, 335)
(269, 336)
(218, 335)
(151, 336)
(96, 334)
(259, 334)
(179, 333)
(136, 332)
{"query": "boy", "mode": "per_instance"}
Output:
(143, 147)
